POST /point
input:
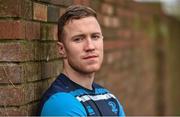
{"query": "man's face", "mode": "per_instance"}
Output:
(83, 45)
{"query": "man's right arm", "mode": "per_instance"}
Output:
(63, 104)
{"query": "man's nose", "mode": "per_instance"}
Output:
(89, 46)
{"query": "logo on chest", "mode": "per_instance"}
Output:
(113, 106)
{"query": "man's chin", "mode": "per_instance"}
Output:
(93, 69)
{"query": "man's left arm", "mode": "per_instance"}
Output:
(121, 110)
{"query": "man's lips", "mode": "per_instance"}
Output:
(89, 57)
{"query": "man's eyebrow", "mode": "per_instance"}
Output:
(81, 35)
(78, 35)
(96, 33)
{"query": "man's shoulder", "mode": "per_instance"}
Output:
(97, 85)
(62, 97)
(59, 85)
(100, 89)
(62, 104)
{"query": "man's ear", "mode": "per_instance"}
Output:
(61, 49)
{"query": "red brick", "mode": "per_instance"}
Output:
(10, 8)
(141, 40)
(13, 73)
(41, 87)
(12, 29)
(109, 1)
(125, 34)
(32, 109)
(120, 3)
(95, 4)
(83, 2)
(35, 71)
(52, 13)
(9, 52)
(116, 44)
(19, 30)
(28, 72)
(13, 111)
(49, 51)
(32, 30)
(106, 21)
(40, 12)
(26, 9)
(16, 8)
(121, 12)
(11, 96)
(110, 21)
(10, 73)
(76, 1)
(30, 92)
(25, 51)
(62, 2)
(49, 32)
(61, 11)
(16, 51)
(51, 69)
(35, 90)
(100, 19)
(124, 3)
(107, 9)
(32, 71)
(146, 8)
(115, 22)
(112, 57)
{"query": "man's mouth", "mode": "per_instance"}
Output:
(90, 57)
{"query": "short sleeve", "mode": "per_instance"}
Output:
(121, 111)
(63, 104)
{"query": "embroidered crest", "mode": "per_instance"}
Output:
(113, 106)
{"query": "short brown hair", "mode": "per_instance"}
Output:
(71, 13)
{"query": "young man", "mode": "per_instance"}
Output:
(74, 93)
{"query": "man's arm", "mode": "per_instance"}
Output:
(121, 110)
(63, 104)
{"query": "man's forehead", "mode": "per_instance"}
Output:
(82, 20)
(84, 25)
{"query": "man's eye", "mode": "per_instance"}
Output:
(78, 39)
(95, 37)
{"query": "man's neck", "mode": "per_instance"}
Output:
(85, 80)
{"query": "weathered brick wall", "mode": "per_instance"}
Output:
(28, 56)
(29, 60)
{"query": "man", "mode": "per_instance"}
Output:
(74, 93)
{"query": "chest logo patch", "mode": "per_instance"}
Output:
(113, 106)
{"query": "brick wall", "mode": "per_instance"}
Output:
(29, 60)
